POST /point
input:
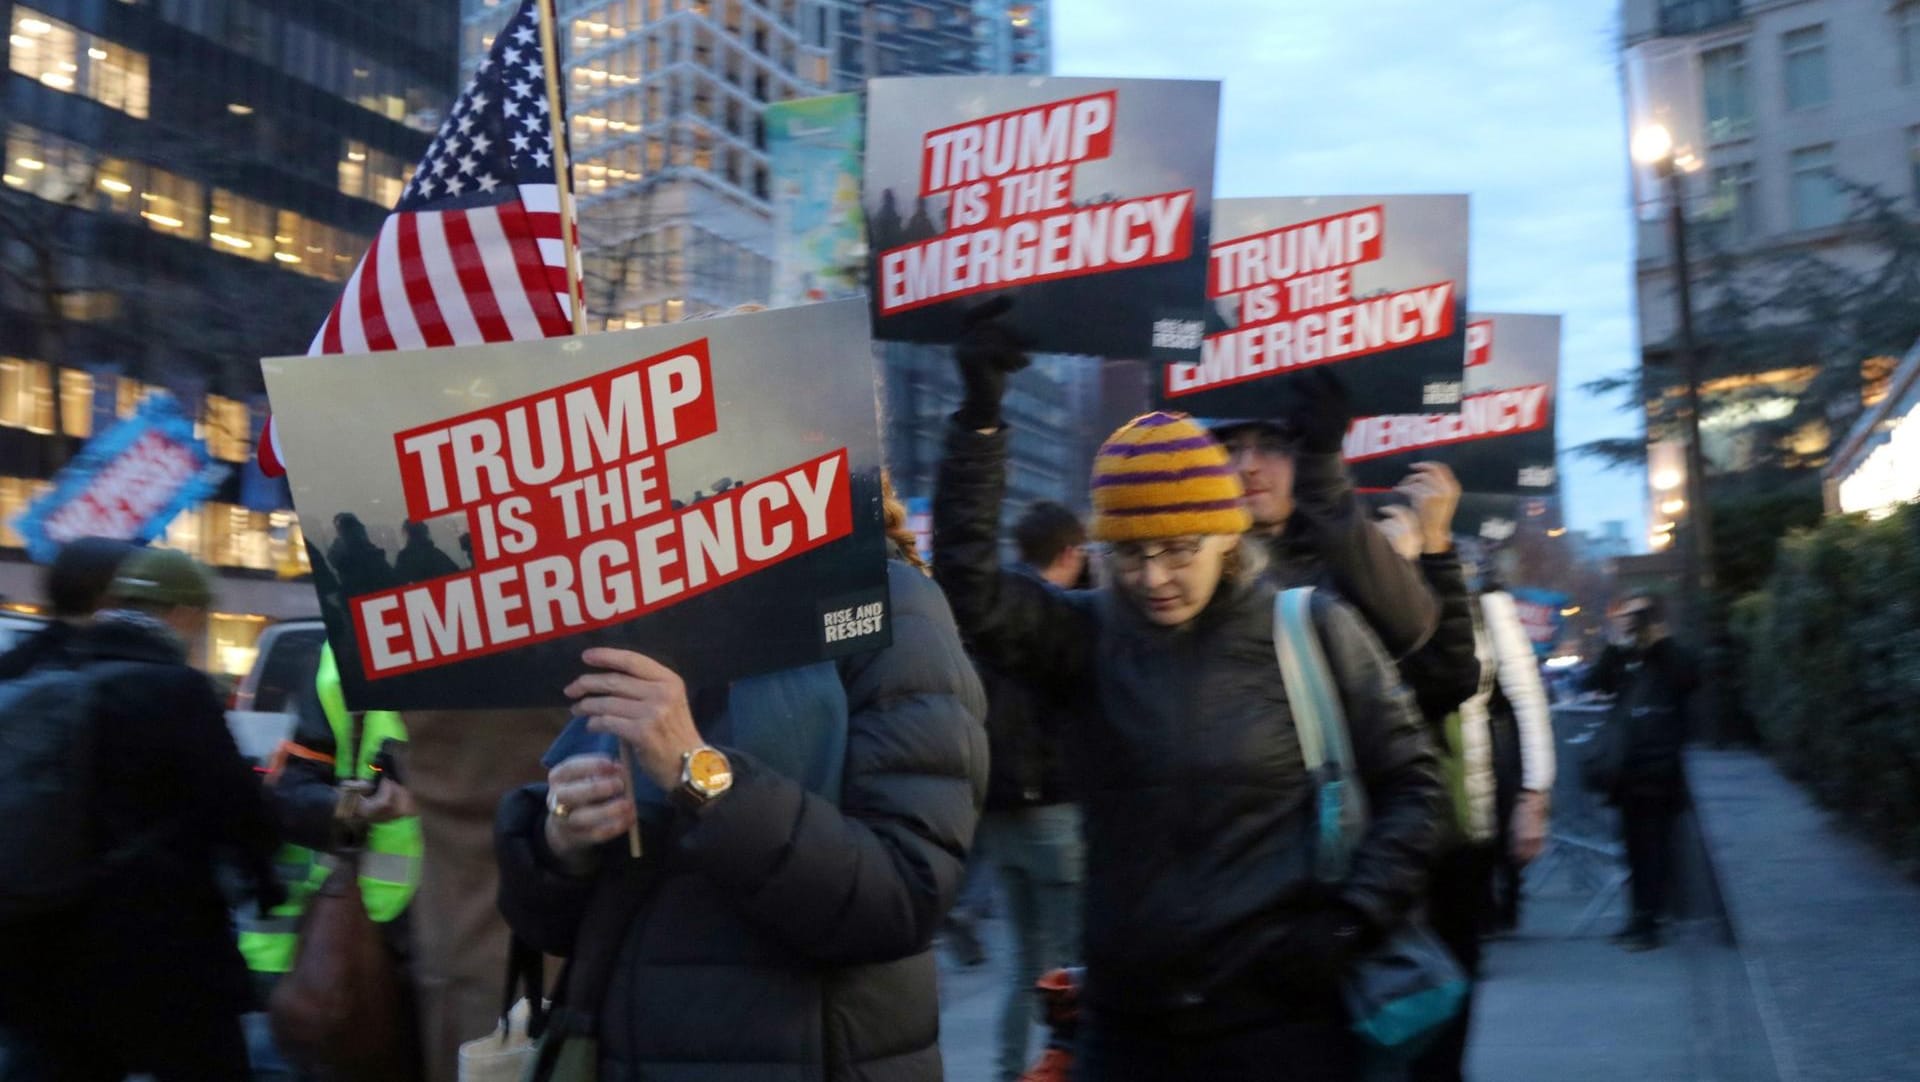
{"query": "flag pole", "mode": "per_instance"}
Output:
(563, 174)
(576, 283)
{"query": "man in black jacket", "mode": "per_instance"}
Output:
(1303, 503)
(148, 980)
(1031, 829)
(75, 583)
(1651, 678)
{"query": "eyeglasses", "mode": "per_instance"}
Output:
(1132, 556)
(1260, 441)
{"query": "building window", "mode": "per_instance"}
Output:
(1817, 199)
(1804, 56)
(1913, 160)
(15, 494)
(26, 395)
(173, 205)
(225, 426)
(66, 58)
(1733, 214)
(1907, 35)
(1729, 112)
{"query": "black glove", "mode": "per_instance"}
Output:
(987, 352)
(1314, 953)
(1322, 411)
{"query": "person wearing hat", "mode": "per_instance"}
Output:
(144, 974)
(1305, 509)
(1210, 950)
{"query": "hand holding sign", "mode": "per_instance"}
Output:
(987, 353)
(1322, 411)
(642, 702)
(1435, 496)
(589, 806)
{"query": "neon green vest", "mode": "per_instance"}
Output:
(389, 864)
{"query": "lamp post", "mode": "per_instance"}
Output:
(1653, 147)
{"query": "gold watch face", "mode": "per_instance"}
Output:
(709, 771)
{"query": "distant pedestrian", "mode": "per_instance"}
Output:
(360, 565)
(1651, 677)
(1031, 829)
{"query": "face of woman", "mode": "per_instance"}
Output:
(1171, 581)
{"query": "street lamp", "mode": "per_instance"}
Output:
(1653, 147)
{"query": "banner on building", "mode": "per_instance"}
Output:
(127, 483)
(706, 493)
(819, 232)
(1501, 440)
(1540, 613)
(1087, 201)
(1373, 286)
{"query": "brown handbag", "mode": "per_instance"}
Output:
(343, 1012)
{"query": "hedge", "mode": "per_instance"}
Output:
(1831, 669)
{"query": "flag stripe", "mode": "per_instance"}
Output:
(419, 284)
(503, 269)
(396, 308)
(473, 278)
(445, 280)
(346, 320)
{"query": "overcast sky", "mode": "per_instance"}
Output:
(1516, 102)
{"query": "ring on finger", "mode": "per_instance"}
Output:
(558, 808)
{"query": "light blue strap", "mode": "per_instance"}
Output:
(1321, 723)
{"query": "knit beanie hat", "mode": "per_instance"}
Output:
(1162, 475)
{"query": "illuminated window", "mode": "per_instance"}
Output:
(15, 494)
(26, 395)
(76, 402)
(173, 205)
(66, 58)
(241, 226)
(225, 426)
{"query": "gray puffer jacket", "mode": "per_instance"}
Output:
(778, 935)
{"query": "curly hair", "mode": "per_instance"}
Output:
(897, 529)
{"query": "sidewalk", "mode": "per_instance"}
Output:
(1829, 933)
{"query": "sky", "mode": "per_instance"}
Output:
(1516, 102)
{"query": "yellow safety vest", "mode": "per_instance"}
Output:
(389, 863)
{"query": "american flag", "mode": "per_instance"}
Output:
(474, 252)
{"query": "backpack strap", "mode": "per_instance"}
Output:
(1320, 722)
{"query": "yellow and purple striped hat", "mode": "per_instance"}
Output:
(1162, 475)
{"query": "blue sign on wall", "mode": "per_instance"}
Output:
(127, 483)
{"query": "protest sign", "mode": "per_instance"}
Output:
(706, 493)
(1501, 441)
(1540, 613)
(1088, 201)
(819, 233)
(127, 483)
(1375, 286)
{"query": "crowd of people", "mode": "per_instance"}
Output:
(746, 882)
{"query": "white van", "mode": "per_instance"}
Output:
(263, 710)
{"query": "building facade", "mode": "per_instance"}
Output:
(188, 184)
(1015, 36)
(1790, 102)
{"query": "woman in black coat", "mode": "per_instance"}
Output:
(1212, 951)
(780, 927)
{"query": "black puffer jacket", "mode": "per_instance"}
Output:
(1029, 753)
(1195, 797)
(776, 936)
(1329, 541)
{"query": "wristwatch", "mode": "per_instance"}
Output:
(705, 775)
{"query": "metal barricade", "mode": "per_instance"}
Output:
(1584, 843)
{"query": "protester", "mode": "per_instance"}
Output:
(141, 975)
(1316, 531)
(75, 584)
(1651, 678)
(332, 788)
(420, 559)
(1521, 721)
(1211, 952)
(804, 833)
(360, 565)
(1031, 828)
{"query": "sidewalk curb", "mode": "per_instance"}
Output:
(1779, 1042)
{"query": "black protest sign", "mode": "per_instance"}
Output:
(706, 493)
(1374, 287)
(1501, 441)
(1088, 201)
